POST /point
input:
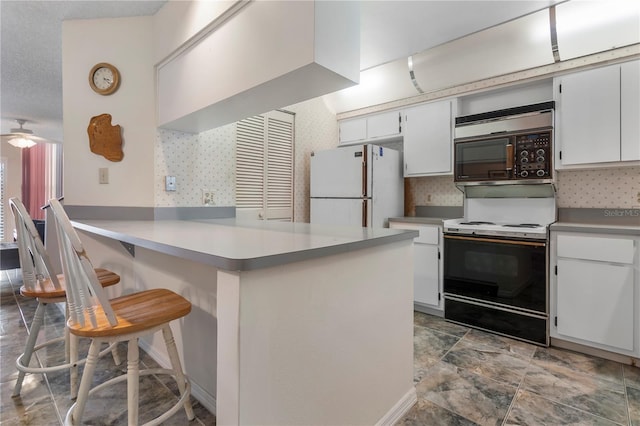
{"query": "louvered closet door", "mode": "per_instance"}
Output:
(279, 171)
(250, 168)
(264, 167)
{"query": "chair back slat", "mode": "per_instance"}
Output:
(84, 291)
(34, 259)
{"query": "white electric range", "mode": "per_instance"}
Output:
(496, 260)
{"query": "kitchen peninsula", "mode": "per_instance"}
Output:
(292, 323)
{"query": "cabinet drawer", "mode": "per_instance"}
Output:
(429, 234)
(596, 248)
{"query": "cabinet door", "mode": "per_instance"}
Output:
(588, 128)
(595, 302)
(426, 273)
(427, 139)
(353, 130)
(630, 110)
(383, 125)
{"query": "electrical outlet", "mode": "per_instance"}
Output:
(103, 175)
(208, 197)
(428, 198)
(169, 183)
(638, 197)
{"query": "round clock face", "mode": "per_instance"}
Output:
(104, 79)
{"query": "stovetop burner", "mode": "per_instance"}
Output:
(488, 228)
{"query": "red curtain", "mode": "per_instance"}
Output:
(33, 179)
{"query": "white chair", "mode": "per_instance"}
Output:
(40, 283)
(124, 318)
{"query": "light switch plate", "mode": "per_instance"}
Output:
(103, 175)
(169, 183)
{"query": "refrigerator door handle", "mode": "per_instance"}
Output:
(365, 214)
(364, 170)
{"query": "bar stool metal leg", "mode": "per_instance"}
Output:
(25, 358)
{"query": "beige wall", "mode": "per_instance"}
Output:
(126, 43)
(13, 187)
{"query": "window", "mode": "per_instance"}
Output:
(264, 167)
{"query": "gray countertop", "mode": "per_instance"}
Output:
(237, 245)
(598, 228)
(419, 219)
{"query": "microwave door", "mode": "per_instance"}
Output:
(484, 160)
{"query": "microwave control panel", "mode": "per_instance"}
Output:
(533, 156)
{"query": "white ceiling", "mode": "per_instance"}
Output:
(30, 41)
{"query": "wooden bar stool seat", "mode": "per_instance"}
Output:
(46, 288)
(123, 319)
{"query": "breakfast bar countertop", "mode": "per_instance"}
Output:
(242, 245)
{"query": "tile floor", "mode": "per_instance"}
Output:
(463, 377)
(44, 400)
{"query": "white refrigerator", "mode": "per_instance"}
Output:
(358, 185)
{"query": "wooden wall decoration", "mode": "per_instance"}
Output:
(105, 139)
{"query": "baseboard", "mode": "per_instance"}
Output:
(600, 353)
(401, 408)
(199, 393)
(428, 310)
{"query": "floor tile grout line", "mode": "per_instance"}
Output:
(520, 384)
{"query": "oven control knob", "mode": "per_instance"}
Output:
(524, 160)
(524, 153)
(540, 152)
(540, 159)
(540, 173)
(524, 173)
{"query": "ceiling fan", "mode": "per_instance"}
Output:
(21, 137)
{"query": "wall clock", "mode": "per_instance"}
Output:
(104, 78)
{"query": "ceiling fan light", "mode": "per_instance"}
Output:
(22, 142)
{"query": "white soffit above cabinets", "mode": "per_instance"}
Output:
(510, 47)
(396, 29)
(268, 55)
(584, 27)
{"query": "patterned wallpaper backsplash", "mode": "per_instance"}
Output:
(595, 188)
(599, 188)
(206, 161)
(203, 161)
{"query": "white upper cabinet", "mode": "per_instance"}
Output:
(354, 130)
(428, 139)
(597, 116)
(630, 111)
(384, 125)
(371, 128)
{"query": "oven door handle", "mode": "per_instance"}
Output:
(510, 157)
(492, 240)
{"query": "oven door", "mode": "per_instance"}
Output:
(507, 273)
(497, 285)
(484, 159)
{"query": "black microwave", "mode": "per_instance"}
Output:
(517, 147)
(522, 156)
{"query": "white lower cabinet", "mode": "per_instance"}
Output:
(427, 266)
(595, 298)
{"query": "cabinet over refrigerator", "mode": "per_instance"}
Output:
(356, 186)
